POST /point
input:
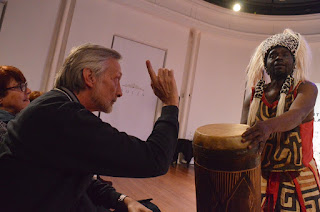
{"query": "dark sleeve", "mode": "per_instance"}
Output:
(72, 137)
(3, 129)
(103, 194)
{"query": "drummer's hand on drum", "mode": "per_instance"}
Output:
(258, 134)
(164, 85)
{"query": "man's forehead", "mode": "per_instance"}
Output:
(114, 66)
(279, 48)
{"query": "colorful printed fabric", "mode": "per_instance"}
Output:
(291, 191)
(286, 154)
(290, 179)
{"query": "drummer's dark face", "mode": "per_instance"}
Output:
(279, 63)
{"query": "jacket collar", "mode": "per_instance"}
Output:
(72, 97)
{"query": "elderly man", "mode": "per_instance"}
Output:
(55, 146)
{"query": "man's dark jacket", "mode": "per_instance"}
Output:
(55, 146)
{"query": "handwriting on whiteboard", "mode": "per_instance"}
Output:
(132, 89)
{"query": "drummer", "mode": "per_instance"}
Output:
(280, 114)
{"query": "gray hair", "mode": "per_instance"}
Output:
(85, 56)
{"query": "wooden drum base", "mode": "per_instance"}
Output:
(227, 179)
(227, 191)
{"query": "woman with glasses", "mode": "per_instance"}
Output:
(14, 95)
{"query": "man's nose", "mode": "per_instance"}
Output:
(119, 91)
(279, 57)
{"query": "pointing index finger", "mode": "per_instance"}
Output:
(152, 74)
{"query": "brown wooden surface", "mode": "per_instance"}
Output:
(173, 192)
(227, 180)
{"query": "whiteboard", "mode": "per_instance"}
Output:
(134, 112)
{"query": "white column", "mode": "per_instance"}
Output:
(188, 80)
(58, 43)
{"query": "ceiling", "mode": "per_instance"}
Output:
(273, 7)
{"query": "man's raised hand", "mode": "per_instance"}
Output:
(164, 85)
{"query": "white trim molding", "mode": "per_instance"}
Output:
(211, 18)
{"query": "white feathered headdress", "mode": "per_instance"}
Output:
(300, 50)
(288, 39)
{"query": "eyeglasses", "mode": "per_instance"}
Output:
(22, 86)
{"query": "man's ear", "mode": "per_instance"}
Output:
(89, 77)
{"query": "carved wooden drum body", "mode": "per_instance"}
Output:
(227, 174)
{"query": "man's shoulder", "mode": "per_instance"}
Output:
(307, 86)
(52, 95)
(51, 105)
(54, 99)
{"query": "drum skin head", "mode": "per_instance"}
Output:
(221, 136)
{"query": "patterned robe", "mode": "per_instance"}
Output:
(290, 179)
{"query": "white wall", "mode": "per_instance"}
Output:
(26, 35)
(96, 21)
(219, 81)
(315, 65)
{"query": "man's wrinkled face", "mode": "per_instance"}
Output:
(107, 88)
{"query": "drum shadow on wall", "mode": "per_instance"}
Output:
(135, 112)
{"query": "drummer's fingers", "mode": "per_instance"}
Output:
(261, 146)
(250, 136)
(251, 130)
(253, 144)
(247, 132)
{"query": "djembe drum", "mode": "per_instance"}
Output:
(227, 174)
